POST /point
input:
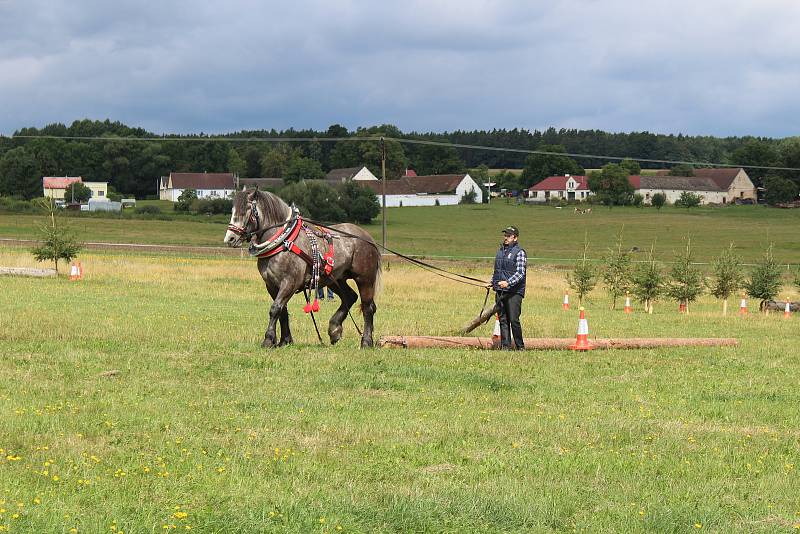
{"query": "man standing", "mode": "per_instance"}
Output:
(508, 281)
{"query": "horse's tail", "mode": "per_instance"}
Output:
(378, 276)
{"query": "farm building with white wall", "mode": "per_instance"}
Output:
(206, 184)
(567, 187)
(447, 189)
(358, 174)
(55, 186)
(714, 186)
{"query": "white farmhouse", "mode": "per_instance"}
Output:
(441, 189)
(206, 184)
(565, 187)
(358, 174)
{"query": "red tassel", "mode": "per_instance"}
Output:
(315, 306)
(307, 307)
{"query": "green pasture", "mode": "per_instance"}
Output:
(139, 400)
(548, 234)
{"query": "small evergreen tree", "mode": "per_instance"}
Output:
(77, 192)
(686, 280)
(765, 279)
(797, 277)
(727, 276)
(185, 200)
(469, 197)
(583, 277)
(688, 200)
(658, 200)
(617, 271)
(648, 282)
(58, 242)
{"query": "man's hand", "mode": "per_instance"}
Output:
(502, 284)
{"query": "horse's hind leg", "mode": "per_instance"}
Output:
(286, 334)
(347, 297)
(368, 308)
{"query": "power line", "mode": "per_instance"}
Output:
(398, 140)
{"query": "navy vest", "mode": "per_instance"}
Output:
(505, 265)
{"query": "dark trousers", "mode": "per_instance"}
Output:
(510, 308)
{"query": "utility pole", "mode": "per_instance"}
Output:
(383, 179)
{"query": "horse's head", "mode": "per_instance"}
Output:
(244, 218)
(253, 211)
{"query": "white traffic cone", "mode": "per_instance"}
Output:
(628, 308)
(496, 332)
(73, 272)
(743, 306)
(787, 311)
(565, 304)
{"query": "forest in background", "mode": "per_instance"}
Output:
(133, 167)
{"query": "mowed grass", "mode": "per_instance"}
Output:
(548, 234)
(198, 427)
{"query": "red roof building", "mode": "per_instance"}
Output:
(567, 187)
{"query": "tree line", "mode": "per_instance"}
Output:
(133, 167)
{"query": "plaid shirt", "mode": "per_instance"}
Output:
(522, 264)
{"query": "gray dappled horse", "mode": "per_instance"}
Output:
(283, 244)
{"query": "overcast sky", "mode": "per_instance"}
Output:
(678, 66)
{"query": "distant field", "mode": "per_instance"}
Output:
(547, 233)
(138, 400)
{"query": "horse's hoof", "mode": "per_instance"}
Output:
(267, 344)
(366, 344)
(285, 342)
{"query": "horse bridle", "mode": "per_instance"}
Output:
(241, 231)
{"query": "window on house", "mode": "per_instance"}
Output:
(561, 194)
(535, 194)
(101, 193)
(647, 195)
(547, 194)
(741, 194)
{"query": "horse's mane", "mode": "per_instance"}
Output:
(273, 209)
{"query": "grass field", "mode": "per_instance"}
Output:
(198, 428)
(546, 232)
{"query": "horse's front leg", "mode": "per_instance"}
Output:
(278, 307)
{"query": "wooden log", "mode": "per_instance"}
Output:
(24, 271)
(780, 305)
(543, 343)
(482, 318)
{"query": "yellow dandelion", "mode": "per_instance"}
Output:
(698, 525)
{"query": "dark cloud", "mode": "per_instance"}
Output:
(694, 67)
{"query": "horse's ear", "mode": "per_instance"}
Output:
(252, 193)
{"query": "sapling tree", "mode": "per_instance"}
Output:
(686, 280)
(583, 278)
(765, 279)
(648, 281)
(726, 277)
(617, 272)
(58, 242)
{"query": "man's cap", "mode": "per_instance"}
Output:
(511, 230)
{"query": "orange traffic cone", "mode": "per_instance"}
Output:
(565, 305)
(73, 272)
(682, 306)
(743, 306)
(628, 308)
(80, 271)
(496, 332)
(582, 339)
(787, 311)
